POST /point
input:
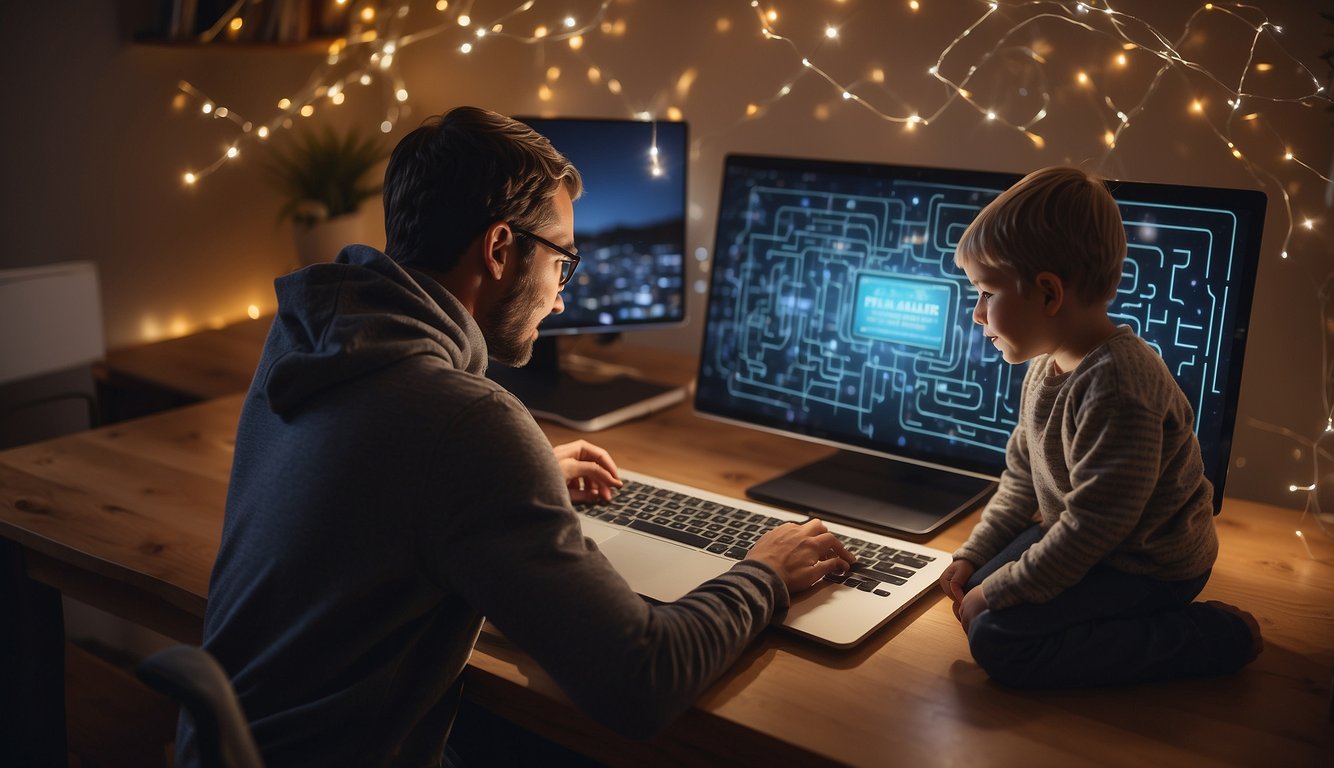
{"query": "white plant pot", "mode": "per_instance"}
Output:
(323, 240)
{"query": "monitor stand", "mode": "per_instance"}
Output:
(586, 405)
(877, 493)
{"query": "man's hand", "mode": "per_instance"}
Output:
(589, 472)
(955, 576)
(802, 554)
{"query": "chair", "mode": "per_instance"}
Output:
(50, 335)
(191, 676)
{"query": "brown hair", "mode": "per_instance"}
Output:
(460, 172)
(1061, 220)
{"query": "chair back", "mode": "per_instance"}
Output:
(191, 676)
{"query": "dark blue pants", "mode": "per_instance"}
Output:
(1111, 628)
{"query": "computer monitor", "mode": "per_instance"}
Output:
(836, 314)
(629, 227)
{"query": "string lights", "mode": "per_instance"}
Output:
(365, 64)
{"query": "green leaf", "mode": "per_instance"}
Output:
(323, 175)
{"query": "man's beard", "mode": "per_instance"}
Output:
(508, 335)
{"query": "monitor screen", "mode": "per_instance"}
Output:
(630, 229)
(629, 225)
(836, 312)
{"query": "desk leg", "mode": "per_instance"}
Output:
(32, 667)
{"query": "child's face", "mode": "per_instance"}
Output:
(1012, 318)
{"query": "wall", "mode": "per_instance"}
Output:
(94, 149)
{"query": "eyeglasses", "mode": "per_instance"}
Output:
(567, 264)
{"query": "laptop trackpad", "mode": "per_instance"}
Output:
(659, 569)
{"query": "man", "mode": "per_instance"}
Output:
(385, 495)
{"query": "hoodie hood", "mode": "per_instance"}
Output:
(362, 312)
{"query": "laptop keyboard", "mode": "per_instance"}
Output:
(731, 532)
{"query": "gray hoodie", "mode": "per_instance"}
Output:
(384, 497)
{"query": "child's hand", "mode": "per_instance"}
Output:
(973, 604)
(955, 576)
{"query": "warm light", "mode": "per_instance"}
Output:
(1287, 155)
(1197, 106)
(752, 110)
(1083, 78)
(464, 20)
(263, 131)
(553, 73)
(386, 127)
(442, 5)
(1309, 223)
(1251, 116)
(189, 178)
(401, 94)
(1236, 153)
(1263, 67)
(570, 22)
(831, 33)
(368, 14)
(772, 16)
(614, 86)
(233, 152)
(877, 75)
(723, 24)
(594, 74)
(1036, 139)
(991, 115)
(337, 98)
(673, 113)
(235, 24)
(365, 79)
(1109, 139)
(576, 42)
(544, 92)
(1120, 59)
(465, 48)
(540, 32)
(914, 5)
(221, 112)
(252, 311)
(307, 111)
(206, 108)
(284, 104)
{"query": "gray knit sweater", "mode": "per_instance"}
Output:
(1106, 460)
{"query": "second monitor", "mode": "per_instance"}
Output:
(629, 227)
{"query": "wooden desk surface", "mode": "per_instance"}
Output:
(201, 366)
(129, 517)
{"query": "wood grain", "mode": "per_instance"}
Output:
(139, 506)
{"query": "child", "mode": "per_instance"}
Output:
(1084, 565)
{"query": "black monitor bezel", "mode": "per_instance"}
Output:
(1252, 201)
(551, 326)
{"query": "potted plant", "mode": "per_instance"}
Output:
(323, 177)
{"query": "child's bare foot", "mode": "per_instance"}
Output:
(1257, 642)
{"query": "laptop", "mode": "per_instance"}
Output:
(666, 538)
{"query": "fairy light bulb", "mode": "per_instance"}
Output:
(570, 22)
(464, 20)
(232, 152)
(189, 178)
(831, 33)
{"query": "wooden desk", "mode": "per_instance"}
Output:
(128, 518)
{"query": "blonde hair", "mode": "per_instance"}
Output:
(1061, 220)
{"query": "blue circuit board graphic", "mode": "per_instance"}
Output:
(837, 312)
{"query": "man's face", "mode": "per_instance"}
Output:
(534, 293)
